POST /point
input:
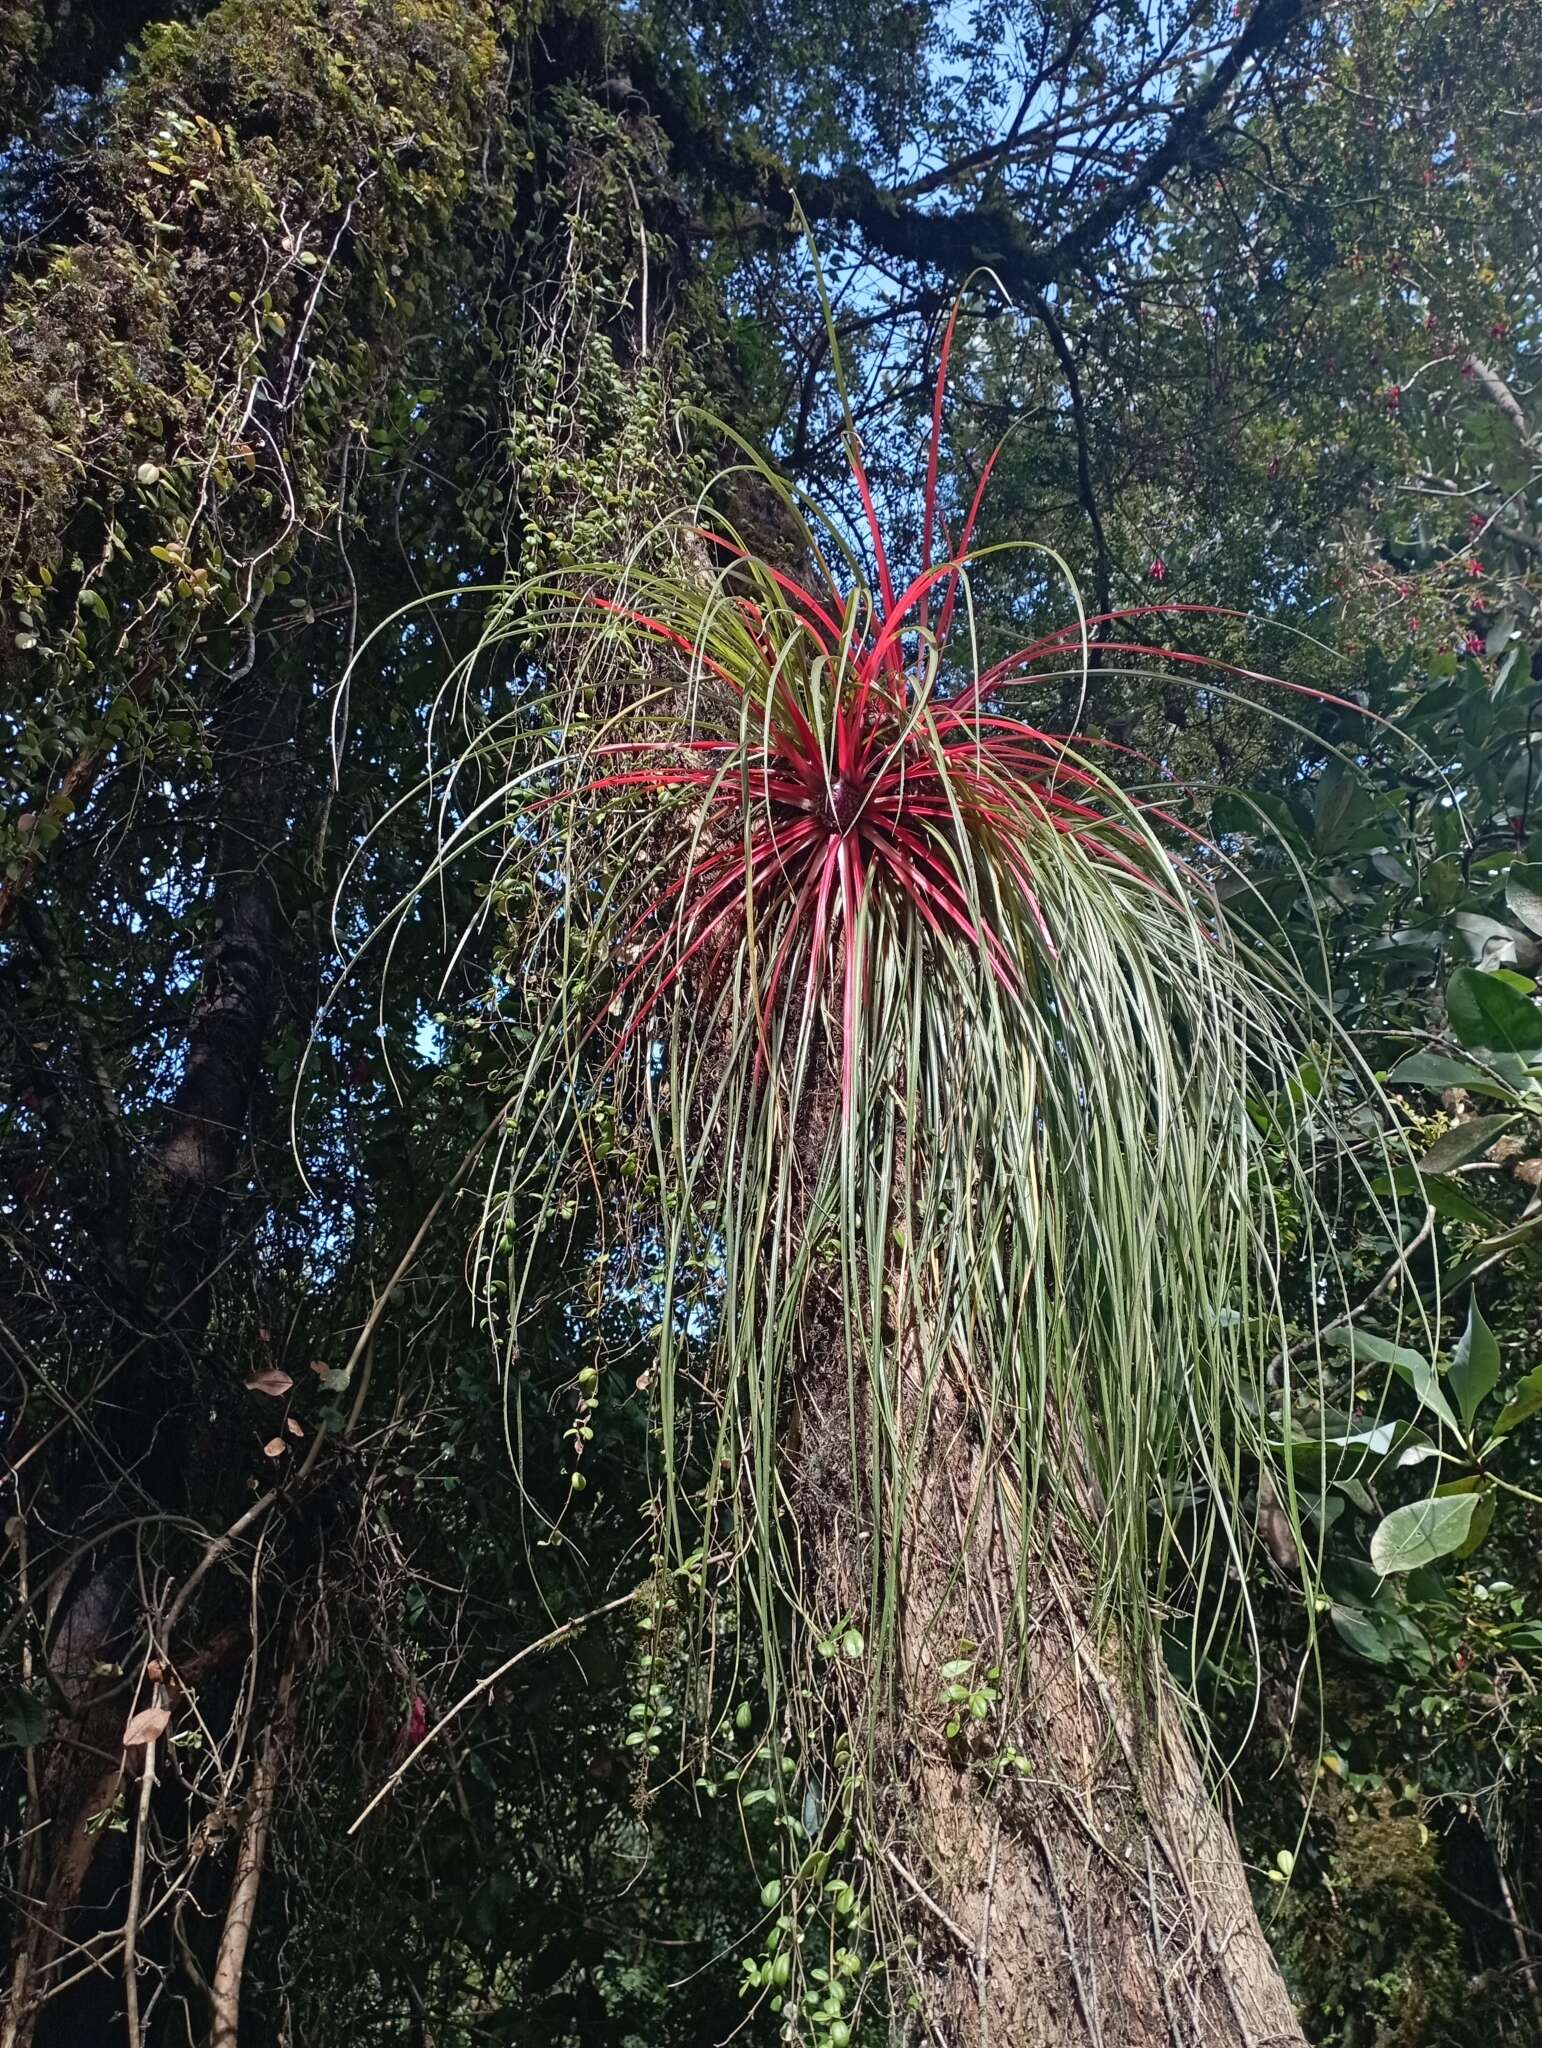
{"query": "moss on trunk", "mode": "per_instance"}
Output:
(190, 361)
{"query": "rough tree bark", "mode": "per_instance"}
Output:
(1104, 1897)
(1097, 1900)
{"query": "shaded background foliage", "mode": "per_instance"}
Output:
(313, 308)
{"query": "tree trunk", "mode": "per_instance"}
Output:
(1060, 1862)
(361, 131)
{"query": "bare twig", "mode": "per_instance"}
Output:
(546, 1642)
(968, 1947)
(230, 1965)
(136, 1888)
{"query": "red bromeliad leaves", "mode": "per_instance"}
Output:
(832, 777)
(832, 768)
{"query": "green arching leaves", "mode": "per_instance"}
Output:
(1489, 1016)
(1524, 1403)
(937, 1060)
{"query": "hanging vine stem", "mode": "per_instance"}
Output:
(230, 1963)
(136, 1882)
(549, 1641)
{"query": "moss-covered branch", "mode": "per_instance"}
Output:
(236, 263)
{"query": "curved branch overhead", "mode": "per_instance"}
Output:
(965, 234)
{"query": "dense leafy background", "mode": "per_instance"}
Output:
(1292, 375)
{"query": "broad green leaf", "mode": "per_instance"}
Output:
(1523, 893)
(23, 1718)
(1426, 1586)
(1526, 1401)
(1334, 808)
(1336, 1457)
(1326, 1510)
(1431, 1070)
(1492, 944)
(1507, 1240)
(1352, 1583)
(1391, 869)
(1411, 1367)
(1482, 1521)
(1474, 1369)
(1381, 1634)
(1421, 1532)
(1363, 1345)
(1483, 1514)
(1414, 1448)
(1446, 1197)
(1463, 1143)
(1488, 1016)
(1360, 1632)
(1422, 1378)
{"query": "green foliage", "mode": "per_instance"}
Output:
(260, 218)
(1378, 1946)
(469, 394)
(851, 1147)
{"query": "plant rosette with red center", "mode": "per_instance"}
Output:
(943, 1056)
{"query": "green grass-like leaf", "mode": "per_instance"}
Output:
(941, 1067)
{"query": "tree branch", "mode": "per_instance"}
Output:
(1503, 397)
(549, 1641)
(230, 1966)
(992, 236)
(1084, 485)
